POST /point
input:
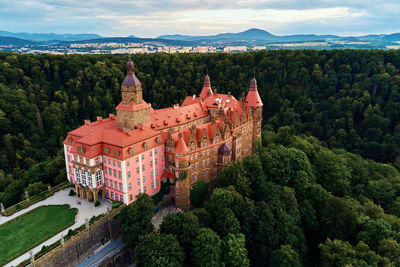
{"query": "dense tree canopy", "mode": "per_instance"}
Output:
(323, 189)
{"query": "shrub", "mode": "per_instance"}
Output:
(198, 193)
(71, 193)
(70, 232)
(97, 203)
(116, 204)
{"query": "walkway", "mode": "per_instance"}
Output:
(85, 211)
(103, 253)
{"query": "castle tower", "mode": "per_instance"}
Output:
(132, 110)
(207, 91)
(182, 181)
(224, 156)
(254, 104)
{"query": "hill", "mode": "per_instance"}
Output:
(43, 37)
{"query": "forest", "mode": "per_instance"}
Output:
(294, 202)
(339, 110)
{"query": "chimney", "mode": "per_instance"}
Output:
(194, 96)
(99, 118)
(112, 116)
(87, 122)
(229, 94)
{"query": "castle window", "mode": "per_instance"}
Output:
(127, 163)
(144, 189)
(152, 184)
(156, 172)
(142, 167)
(106, 181)
(113, 162)
(131, 151)
(106, 150)
(69, 158)
(119, 164)
(109, 172)
(115, 185)
(122, 198)
(151, 174)
(97, 160)
(77, 175)
(116, 196)
(119, 175)
(151, 153)
(109, 162)
(129, 174)
(83, 177)
(107, 193)
(129, 186)
(137, 159)
(163, 158)
(138, 181)
(155, 151)
(143, 157)
(144, 179)
(156, 160)
(120, 186)
(115, 173)
(69, 140)
(151, 163)
(112, 195)
(116, 153)
(130, 197)
(157, 183)
(90, 179)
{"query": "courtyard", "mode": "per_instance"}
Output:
(85, 210)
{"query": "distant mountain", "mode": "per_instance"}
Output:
(14, 41)
(251, 34)
(130, 40)
(45, 37)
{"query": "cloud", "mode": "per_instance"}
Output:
(151, 18)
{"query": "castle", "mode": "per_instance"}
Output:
(132, 152)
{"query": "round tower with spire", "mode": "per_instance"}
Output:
(254, 105)
(182, 181)
(132, 110)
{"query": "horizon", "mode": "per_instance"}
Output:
(149, 19)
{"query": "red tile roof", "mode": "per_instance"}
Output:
(132, 106)
(173, 116)
(181, 147)
(253, 99)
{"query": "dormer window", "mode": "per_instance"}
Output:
(106, 150)
(69, 140)
(116, 153)
(131, 151)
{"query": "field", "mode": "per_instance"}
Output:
(32, 228)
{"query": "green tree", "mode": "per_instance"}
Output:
(234, 251)
(198, 193)
(155, 249)
(206, 248)
(135, 219)
(285, 256)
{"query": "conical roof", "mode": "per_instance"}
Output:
(207, 91)
(224, 151)
(253, 99)
(181, 147)
(130, 78)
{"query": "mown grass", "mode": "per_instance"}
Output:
(32, 228)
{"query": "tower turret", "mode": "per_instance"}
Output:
(207, 91)
(132, 110)
(254, 105)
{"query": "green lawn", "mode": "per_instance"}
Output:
(30, 229)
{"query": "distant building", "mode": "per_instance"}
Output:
(132, 152)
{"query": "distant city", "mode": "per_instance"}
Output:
(250, 40)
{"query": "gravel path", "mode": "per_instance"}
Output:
(86, 210)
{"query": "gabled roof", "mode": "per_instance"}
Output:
(173, 116)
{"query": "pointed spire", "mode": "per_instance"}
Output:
(253, 99)
(253, 86)
(207, 82)
(207, 91)
(130, 78)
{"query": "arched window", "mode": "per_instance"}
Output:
(98, 178)
(90, 180)
(83, 177)
(77, 175)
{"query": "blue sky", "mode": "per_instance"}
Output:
(151, 18)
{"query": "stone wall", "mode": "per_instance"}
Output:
(82, 245)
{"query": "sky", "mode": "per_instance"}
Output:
(151, 18)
